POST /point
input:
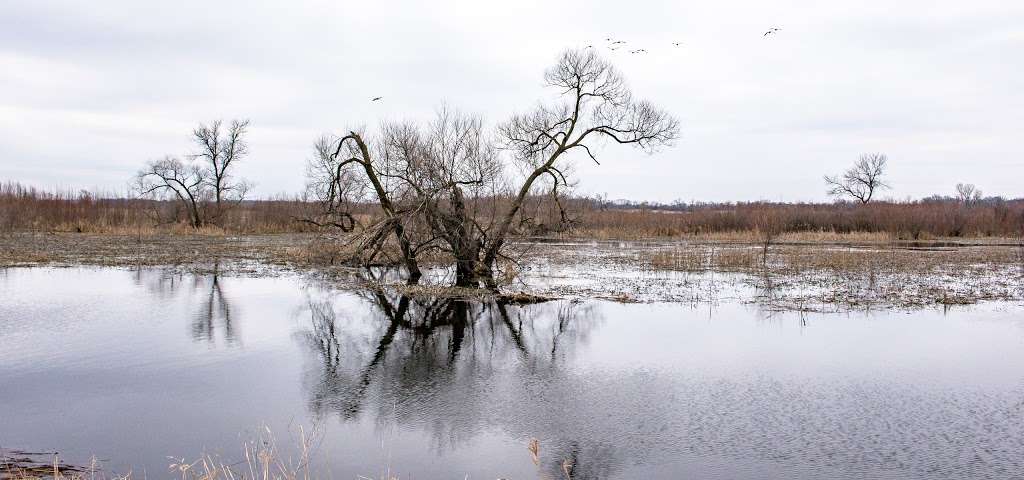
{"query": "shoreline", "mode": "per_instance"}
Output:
(826, 275)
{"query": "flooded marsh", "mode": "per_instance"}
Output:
(133, 365)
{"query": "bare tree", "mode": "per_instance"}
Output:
(448, 187)
(171, 179)
(967, 193)
(599, 106)
(204, 185)
(353, 169)
(334, 188)
(219, 150)
(427, 183)
(862, 180)
(455, 174)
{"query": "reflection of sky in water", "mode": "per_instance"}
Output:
(138, 365)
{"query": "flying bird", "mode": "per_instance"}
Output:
(376, 98)
(677, 44)
(639, 50)
(771, 30)
(617, 42)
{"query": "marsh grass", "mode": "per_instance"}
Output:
(797, 259)
(24, 208)
(924, 219)
(891, 273)
(792, 276)
(262, 459)
(703, 258)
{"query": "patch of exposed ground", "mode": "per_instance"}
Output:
(21, 465)
(238, 253)
(803, 276)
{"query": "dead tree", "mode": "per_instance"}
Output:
(170, 178)
(862, 180)
(218, 151)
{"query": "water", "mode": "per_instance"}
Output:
(136, 366)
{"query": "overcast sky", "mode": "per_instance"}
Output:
(89, 91)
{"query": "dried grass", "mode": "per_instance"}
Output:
(28, 209)
(263, 460)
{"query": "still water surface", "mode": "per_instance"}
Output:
(136, 366)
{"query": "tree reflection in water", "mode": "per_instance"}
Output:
(438, 364)
(215, 311)
(213, 318)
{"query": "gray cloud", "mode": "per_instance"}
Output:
(88, 91)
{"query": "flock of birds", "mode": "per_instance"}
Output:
(613, 45)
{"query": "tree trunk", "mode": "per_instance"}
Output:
(465, 248)
(196, 219)
(408, 253)
(411, 265)
(465, 273)
(472, 272)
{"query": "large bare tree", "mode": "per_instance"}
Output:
(861, 181)
(453, 187)
(598, 105)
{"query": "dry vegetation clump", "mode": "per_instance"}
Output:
(18, 465)
(704, 258)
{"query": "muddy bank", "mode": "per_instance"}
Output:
(23, 465)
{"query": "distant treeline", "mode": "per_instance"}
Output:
(28, 209)
(934, 216)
